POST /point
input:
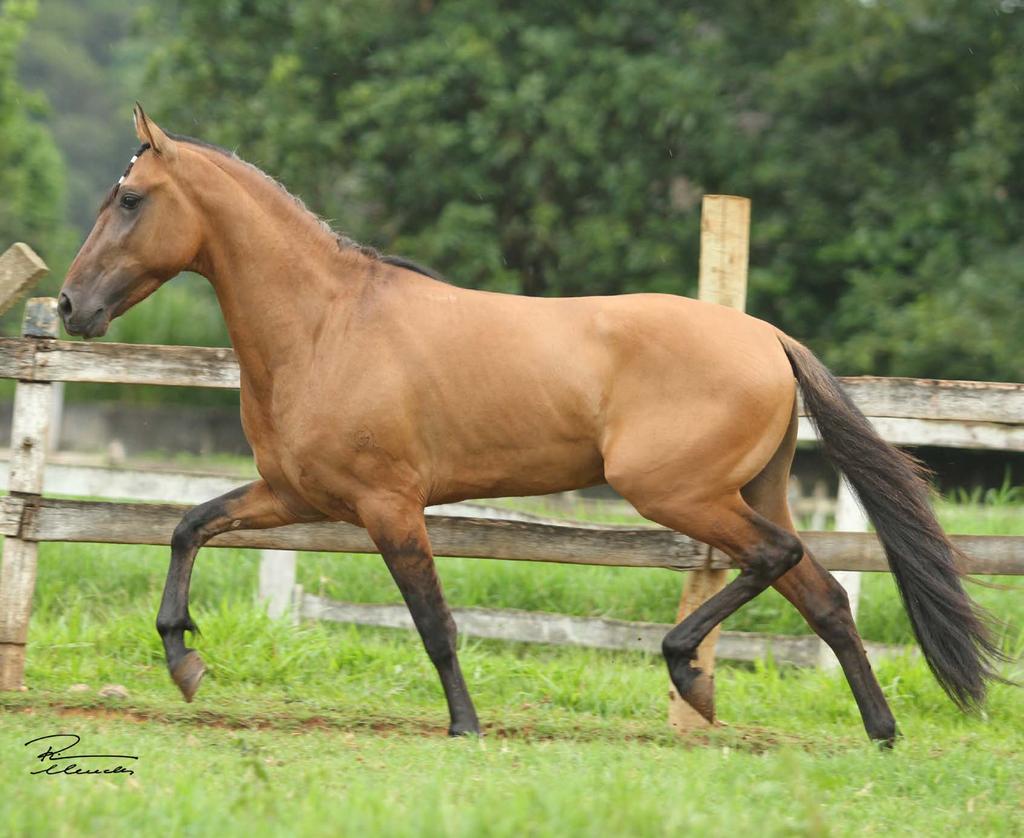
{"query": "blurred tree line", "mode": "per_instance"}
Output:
(32, 175)
(562, 148)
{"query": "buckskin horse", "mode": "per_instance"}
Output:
(370, 389)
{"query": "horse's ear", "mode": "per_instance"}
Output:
(149, 132)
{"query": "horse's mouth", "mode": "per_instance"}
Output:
(95, 327)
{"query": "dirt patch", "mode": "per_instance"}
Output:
(741, 738)
(98, 713)
(228, 722)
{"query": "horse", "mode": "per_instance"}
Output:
(370, 389)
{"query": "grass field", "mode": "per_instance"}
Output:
(333, 730)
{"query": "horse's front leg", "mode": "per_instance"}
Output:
(249, 507)
(398, 529)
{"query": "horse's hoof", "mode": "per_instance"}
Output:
(696, 689)
(701, 697)
(188, 673)
(458, 729)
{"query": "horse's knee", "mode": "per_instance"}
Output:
(186, 534)
(183, 538)
(195, 525)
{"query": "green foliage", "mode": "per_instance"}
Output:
(888, 187)
(563, 148)
(31, 169)
(83, 57)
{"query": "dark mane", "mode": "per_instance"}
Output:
(400, 262)
(344, 242)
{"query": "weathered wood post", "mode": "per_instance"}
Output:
(724, 249)
(30, 427)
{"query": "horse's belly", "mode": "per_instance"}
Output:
(538, 469)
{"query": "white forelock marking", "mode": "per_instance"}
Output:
(131, 163)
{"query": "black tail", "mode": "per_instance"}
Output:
(953, 632)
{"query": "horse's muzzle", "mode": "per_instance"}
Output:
(83, 321)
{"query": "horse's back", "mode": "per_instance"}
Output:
(499, 394)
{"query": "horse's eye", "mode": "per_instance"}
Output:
(130, 201)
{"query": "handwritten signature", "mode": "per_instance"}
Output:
(57, 759)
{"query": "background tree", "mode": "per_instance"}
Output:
(563, 148)
(86, 61)
(31, 168)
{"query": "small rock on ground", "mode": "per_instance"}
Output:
(113, 691)
(79, 688)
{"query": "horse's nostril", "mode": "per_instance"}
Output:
(64, 305)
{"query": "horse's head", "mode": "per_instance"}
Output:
(147, 231)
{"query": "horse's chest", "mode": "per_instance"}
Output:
(321, 449)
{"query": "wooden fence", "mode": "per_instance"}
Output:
(910, 411)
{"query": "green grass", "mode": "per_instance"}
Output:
(326, 729)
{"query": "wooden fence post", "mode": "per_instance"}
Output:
(277, 580)
(850, 517)
(724, 248)
(30, 426)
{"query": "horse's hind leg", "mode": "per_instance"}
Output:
(250, 507)
(763, 550)
(823, 603)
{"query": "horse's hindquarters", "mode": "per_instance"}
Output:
(699, 403)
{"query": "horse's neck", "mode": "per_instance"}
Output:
(274, 291)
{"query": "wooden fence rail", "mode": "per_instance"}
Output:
(53, 519)
(591, 632)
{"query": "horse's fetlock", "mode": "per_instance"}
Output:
(175, 625)
(678, 650)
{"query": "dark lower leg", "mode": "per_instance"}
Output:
(250, 507)
(766, 554)
(819, 597)
(417, 580)
(680, 645)
(824, 604)
(174, 619)
(411, 563)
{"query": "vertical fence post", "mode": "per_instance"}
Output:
(277, 580)
(724, 248)
(30, 427)
(850, 517)
(56, 416)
